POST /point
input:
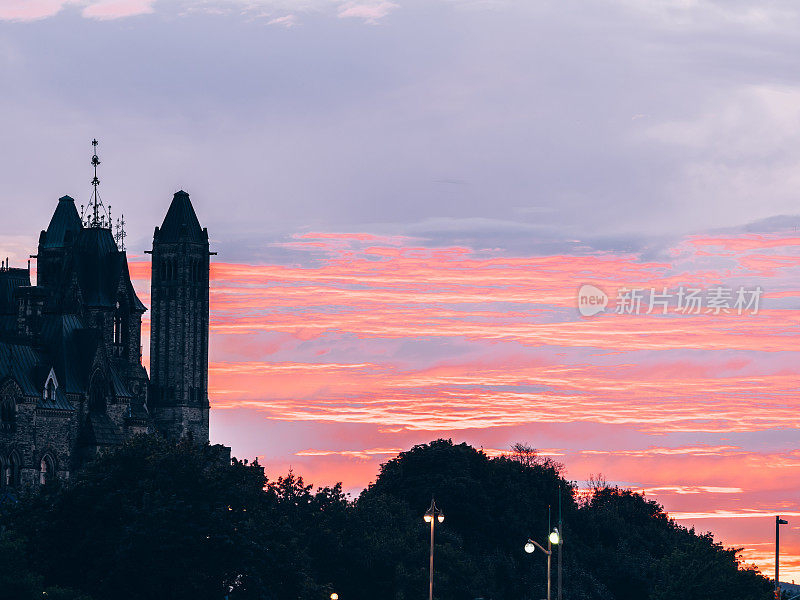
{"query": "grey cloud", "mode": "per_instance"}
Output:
(572, 126)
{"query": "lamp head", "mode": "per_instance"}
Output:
(334, 596)
(440, 518)
(530, 547)
(428, 518)
(554, 537)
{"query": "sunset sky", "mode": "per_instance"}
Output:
(406, 197)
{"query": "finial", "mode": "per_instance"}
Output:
(99, 217)
(119, 234)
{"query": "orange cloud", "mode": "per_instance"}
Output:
(403, 343)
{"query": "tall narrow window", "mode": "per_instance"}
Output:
(50, 391)
(8, 413)
(46, 469)
(97, 396)
(13, 470)
(118, 329)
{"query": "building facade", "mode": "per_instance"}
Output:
(72, 382)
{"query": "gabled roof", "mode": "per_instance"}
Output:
(120, 389)
(181, 224)
(100, 430)
(72, 346)
(99, 266)
(59, 400)
(22, 364)
(65, 219)
(137, 304)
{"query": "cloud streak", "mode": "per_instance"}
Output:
(414, 341)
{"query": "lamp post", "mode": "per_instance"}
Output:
(531, 545)
(432, 515)
(560, 550)
(778, 523)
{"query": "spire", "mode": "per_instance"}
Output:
(64, 224)
(180, 222)
(95, 214)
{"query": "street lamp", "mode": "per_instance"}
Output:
(334, 596)
(552, 540)
(432, 515)
(778, 523)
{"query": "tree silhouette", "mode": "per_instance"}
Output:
(154, 519)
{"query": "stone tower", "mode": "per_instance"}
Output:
(178, 399)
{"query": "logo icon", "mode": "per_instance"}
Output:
(591, 300)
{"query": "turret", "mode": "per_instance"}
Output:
(178, 399)
(55, 241)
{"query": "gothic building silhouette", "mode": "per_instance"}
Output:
(72, 383)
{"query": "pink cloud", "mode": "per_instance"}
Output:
(369, 11)
(117, 9)
(30, 10)
(404, 343)
(284, 21)
(365, 454)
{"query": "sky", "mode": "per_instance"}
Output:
(406, 199)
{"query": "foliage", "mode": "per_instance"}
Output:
(153, 519)
(18, 581)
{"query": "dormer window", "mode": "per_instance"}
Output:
(50, 387)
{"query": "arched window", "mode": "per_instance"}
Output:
(8, 412)
(196, 270)
(97, 396)
(47, 470)
(12, 470)
(50, 392)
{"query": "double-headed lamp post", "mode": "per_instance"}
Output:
(553, 539)
(432, 515)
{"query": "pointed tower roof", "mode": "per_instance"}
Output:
(65, 219)
(181, 224)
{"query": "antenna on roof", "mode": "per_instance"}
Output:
(99, 216)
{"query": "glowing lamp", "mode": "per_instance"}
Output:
(530, 547)
(334, 596)
(440, 518)
(428, 518)
(554, 537)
